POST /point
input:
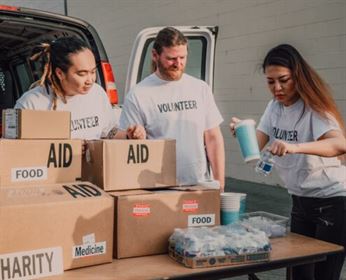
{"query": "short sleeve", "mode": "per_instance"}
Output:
(34, 99)
(110, 121)
(321, 125)
(213, 115)
(130, 113)
(264, 123)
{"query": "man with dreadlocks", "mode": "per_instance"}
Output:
(68, 84)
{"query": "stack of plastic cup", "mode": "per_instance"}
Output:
(230, 206)
(242, 203)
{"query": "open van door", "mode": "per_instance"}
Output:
(200, 60)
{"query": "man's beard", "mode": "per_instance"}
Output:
(171, 73)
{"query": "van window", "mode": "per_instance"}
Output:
(195, 64)
(6, 89)
(24, 77)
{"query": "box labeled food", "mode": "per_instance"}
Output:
(35, 124)
(75, 217)
(144, 219)
(32, 162)
(130, 164)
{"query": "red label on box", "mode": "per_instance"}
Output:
(141, 209)
(190, 205)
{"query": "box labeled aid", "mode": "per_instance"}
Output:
(35, 124)
(130, 164)
(75, 217)
(32, 162)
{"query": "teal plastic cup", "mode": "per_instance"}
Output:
(229, 217)
(246, 135)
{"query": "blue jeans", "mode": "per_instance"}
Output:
(324, 219)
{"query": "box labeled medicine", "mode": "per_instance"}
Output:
(74, 220)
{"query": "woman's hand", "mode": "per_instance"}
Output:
(281, 148)
(232, 124)
(136, 132)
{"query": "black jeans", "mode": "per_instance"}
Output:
(324, 219)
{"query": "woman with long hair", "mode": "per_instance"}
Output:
(304, 130)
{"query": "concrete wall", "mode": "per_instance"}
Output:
(247, 30)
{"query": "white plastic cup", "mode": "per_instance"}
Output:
(246, 135)
(230, 206)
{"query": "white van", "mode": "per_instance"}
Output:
(22, 29)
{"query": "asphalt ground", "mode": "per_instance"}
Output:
(272, 199)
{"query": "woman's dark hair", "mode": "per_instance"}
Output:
(56, 54)
(167, 37)
(309, 85)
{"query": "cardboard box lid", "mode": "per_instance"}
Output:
(129, 193)
(172, 190)
(55, 193)
(43, 124)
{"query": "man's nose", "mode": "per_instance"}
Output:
(177, 61)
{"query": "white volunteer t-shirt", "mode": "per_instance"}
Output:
(303, 175)
(91, 114)
(180, 110)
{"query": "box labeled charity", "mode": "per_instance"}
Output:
(130, 164)
(31, 264)
(35, 124)
(76, 217)
(218, 246)
(32, 162)
(144, 219)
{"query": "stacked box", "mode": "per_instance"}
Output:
(50, 221)
(72, 221)
(130, 164)
(35, 124)
(32, 162)
(144, 220)
(141, 176)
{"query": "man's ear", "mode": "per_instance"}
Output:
(59, 73)
(154, 55)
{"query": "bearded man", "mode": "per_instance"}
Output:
(172, 104)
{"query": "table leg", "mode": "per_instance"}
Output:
(289, 273)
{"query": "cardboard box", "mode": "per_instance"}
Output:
(144, 220)
(31, 162)
(130, 164)
(75, 219)
(35, 124)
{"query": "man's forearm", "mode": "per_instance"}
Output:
(216, 155)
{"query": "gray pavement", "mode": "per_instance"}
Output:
(271, 199)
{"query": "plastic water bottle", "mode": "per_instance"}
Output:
(265, 164)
